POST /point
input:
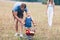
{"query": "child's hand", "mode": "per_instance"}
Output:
(34, 24)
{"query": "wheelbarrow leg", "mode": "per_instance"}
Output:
(21, 38)
(29, 37)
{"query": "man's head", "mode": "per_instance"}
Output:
(23, 6)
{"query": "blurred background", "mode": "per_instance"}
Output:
(57, 2)
(38, 12)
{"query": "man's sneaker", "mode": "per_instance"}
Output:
(21, 35)
(16, 34)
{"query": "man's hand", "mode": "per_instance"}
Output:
(21, 21)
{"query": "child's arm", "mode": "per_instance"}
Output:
(34, 25)
(33, 22)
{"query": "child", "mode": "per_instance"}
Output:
(28, 23)
(50, 11)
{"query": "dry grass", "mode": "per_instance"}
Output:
(38, 12)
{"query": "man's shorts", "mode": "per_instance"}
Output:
(20, 15)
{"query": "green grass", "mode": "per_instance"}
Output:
(38, 12)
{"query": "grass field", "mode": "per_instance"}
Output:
(38, 12)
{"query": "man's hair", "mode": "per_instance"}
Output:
(23, 5)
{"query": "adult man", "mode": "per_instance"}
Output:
(17, 11)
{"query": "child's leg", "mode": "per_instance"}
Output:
(26, 28)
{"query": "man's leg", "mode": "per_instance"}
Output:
(16, 26)
(21, 28)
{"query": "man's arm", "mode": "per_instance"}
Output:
(26, 10)
(15, 15)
